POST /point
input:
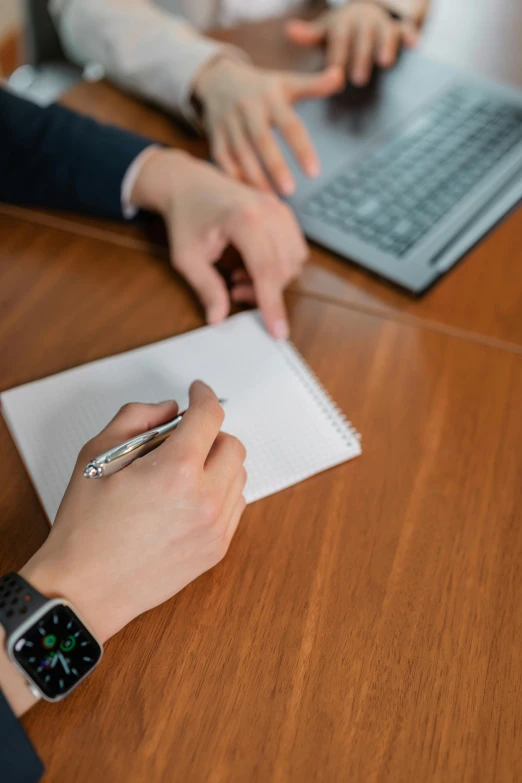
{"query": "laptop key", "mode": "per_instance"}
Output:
(368, 208)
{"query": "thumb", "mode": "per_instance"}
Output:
(305, 33)
(209, 286)
(410, 34)
(313, 85)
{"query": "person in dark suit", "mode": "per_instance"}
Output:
(55, 158)
(18, 760)
(52, 157)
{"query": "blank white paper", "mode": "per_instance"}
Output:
(275, 405)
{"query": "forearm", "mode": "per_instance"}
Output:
(55, 158)
(141, 47)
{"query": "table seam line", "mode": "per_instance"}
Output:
(411, 320)
(78, 229)
(102, 235)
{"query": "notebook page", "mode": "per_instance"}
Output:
(290, 427)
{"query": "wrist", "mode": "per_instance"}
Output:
(55, 579)
(160, 179)
(48, 576)
(217, 68)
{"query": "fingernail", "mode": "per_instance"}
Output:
(313, 168)
(359, 79)
(281, 330)
(166, 402)
(287, 186)
(214, 315)
(334, 70)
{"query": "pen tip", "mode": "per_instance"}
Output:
(222, 400)
(90, 472)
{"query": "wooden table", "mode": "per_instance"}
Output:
(366, 624)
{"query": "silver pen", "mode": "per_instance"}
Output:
(120, 456)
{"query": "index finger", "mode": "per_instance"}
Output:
(258, 254)
(297, 137)
(389, 43)
(339, 44)
(199, 426)
(272, 305)
(363, 54)
(267, 148)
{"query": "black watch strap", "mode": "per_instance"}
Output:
(17, 601)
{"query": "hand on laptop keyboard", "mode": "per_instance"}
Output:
(240, 105)
(357, 35)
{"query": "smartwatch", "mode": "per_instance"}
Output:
(46, 639)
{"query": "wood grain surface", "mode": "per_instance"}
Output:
(366, 624)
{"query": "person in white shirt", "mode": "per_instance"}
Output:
(155, 48)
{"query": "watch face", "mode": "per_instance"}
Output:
(57, 651)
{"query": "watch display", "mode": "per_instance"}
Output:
(57, 651)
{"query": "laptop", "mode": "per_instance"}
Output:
(416, 169)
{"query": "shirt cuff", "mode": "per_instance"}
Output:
(128, 209)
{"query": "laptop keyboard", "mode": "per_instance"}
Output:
(400, 192)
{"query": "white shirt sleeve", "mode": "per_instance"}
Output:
(140, 47)
(128, 209)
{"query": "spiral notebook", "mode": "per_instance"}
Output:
(290, 426)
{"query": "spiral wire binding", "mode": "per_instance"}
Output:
(319, 393)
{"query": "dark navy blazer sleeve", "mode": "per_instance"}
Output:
(18, 760)
(52, 157)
